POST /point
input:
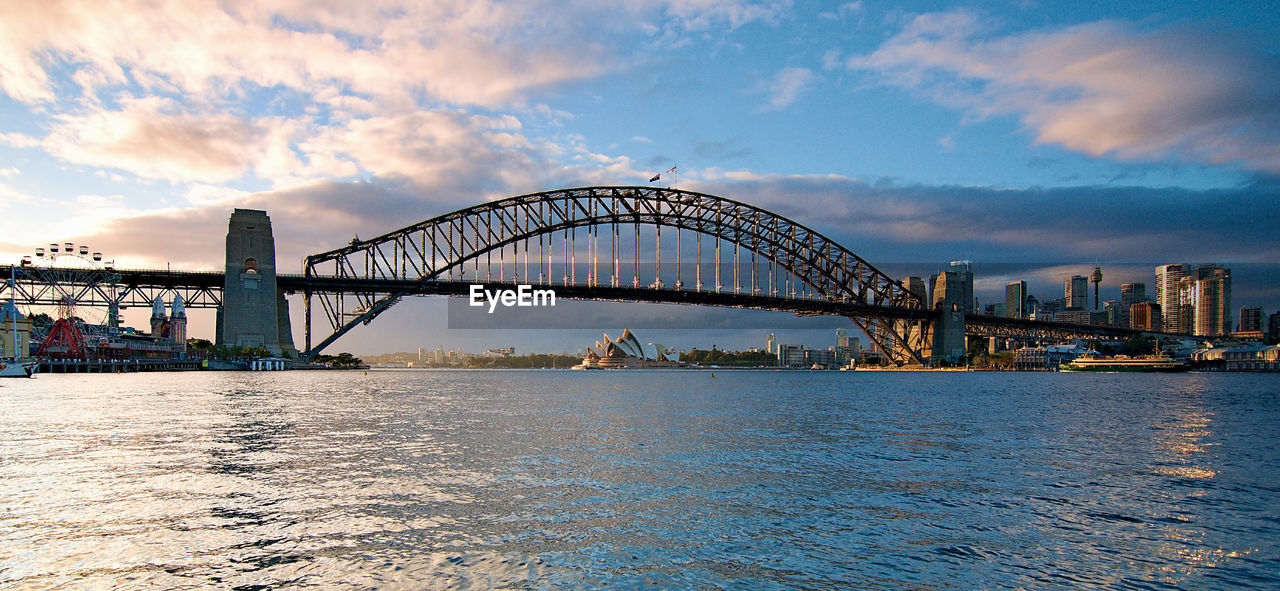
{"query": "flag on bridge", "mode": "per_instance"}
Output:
(655, 177)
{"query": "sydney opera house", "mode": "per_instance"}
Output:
(625, 352)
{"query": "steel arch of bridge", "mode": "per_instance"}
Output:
(430, 250)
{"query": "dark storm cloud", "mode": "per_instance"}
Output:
(889, 221)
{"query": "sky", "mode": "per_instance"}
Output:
(1037, 139)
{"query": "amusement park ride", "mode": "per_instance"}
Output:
(68, 274)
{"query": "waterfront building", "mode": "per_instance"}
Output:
(1243, 358)
(822, 357)
(792, 356)
(1046, 358)
(771, 343)
(1145, 316)
(1167, 277)
(624, 352)
(1076, 291)
(1015, 299)
(1250, 319)
(15, 332)
(797, 356)
(1273, 328)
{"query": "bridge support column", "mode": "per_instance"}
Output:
(254, 313)
(948, 343)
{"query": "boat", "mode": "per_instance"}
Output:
(18, 369)
(1143, 363)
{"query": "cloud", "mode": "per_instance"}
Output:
(455, 51)
(1184, 94)
(292, 92)
(427, 146)
(149, 138)
(461, 52)
(787, 86)
(886, 220)
(844, 11)
(18, 140)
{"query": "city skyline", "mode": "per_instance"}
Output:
(1057, 136)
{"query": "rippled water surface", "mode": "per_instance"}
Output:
(558, 479)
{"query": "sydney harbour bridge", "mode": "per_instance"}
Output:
(590, 243)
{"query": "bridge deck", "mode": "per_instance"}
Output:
(202, 289)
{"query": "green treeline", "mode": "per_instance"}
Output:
(730, 358)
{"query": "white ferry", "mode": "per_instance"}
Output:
(1144, 363)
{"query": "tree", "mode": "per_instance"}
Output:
(1139, 345)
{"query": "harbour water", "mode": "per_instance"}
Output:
(667, 479)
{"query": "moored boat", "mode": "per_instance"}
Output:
(18, 369)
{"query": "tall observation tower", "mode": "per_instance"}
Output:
(1096, 278)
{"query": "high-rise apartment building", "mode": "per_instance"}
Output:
(964, 275)
(1167, 277)
(1076, 291)
(1130, 294)
(1015, 300)
(1204, 301)
(1250, 319)
(1145, 316)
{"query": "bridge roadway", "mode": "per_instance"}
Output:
(203, 289)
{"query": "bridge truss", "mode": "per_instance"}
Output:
(593, 243)
(121, 287)
(602, 241)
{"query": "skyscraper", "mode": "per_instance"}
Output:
(1145, 316)
(1167, 277)
(916, 285)
(771, 343)
(1015, 300)
(1204, 301)
(1076, 291)
(964, 274)
(1250, 318)
(1130, 294)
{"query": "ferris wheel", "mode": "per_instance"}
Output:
(72, 277)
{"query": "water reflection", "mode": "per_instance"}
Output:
(665, 479)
